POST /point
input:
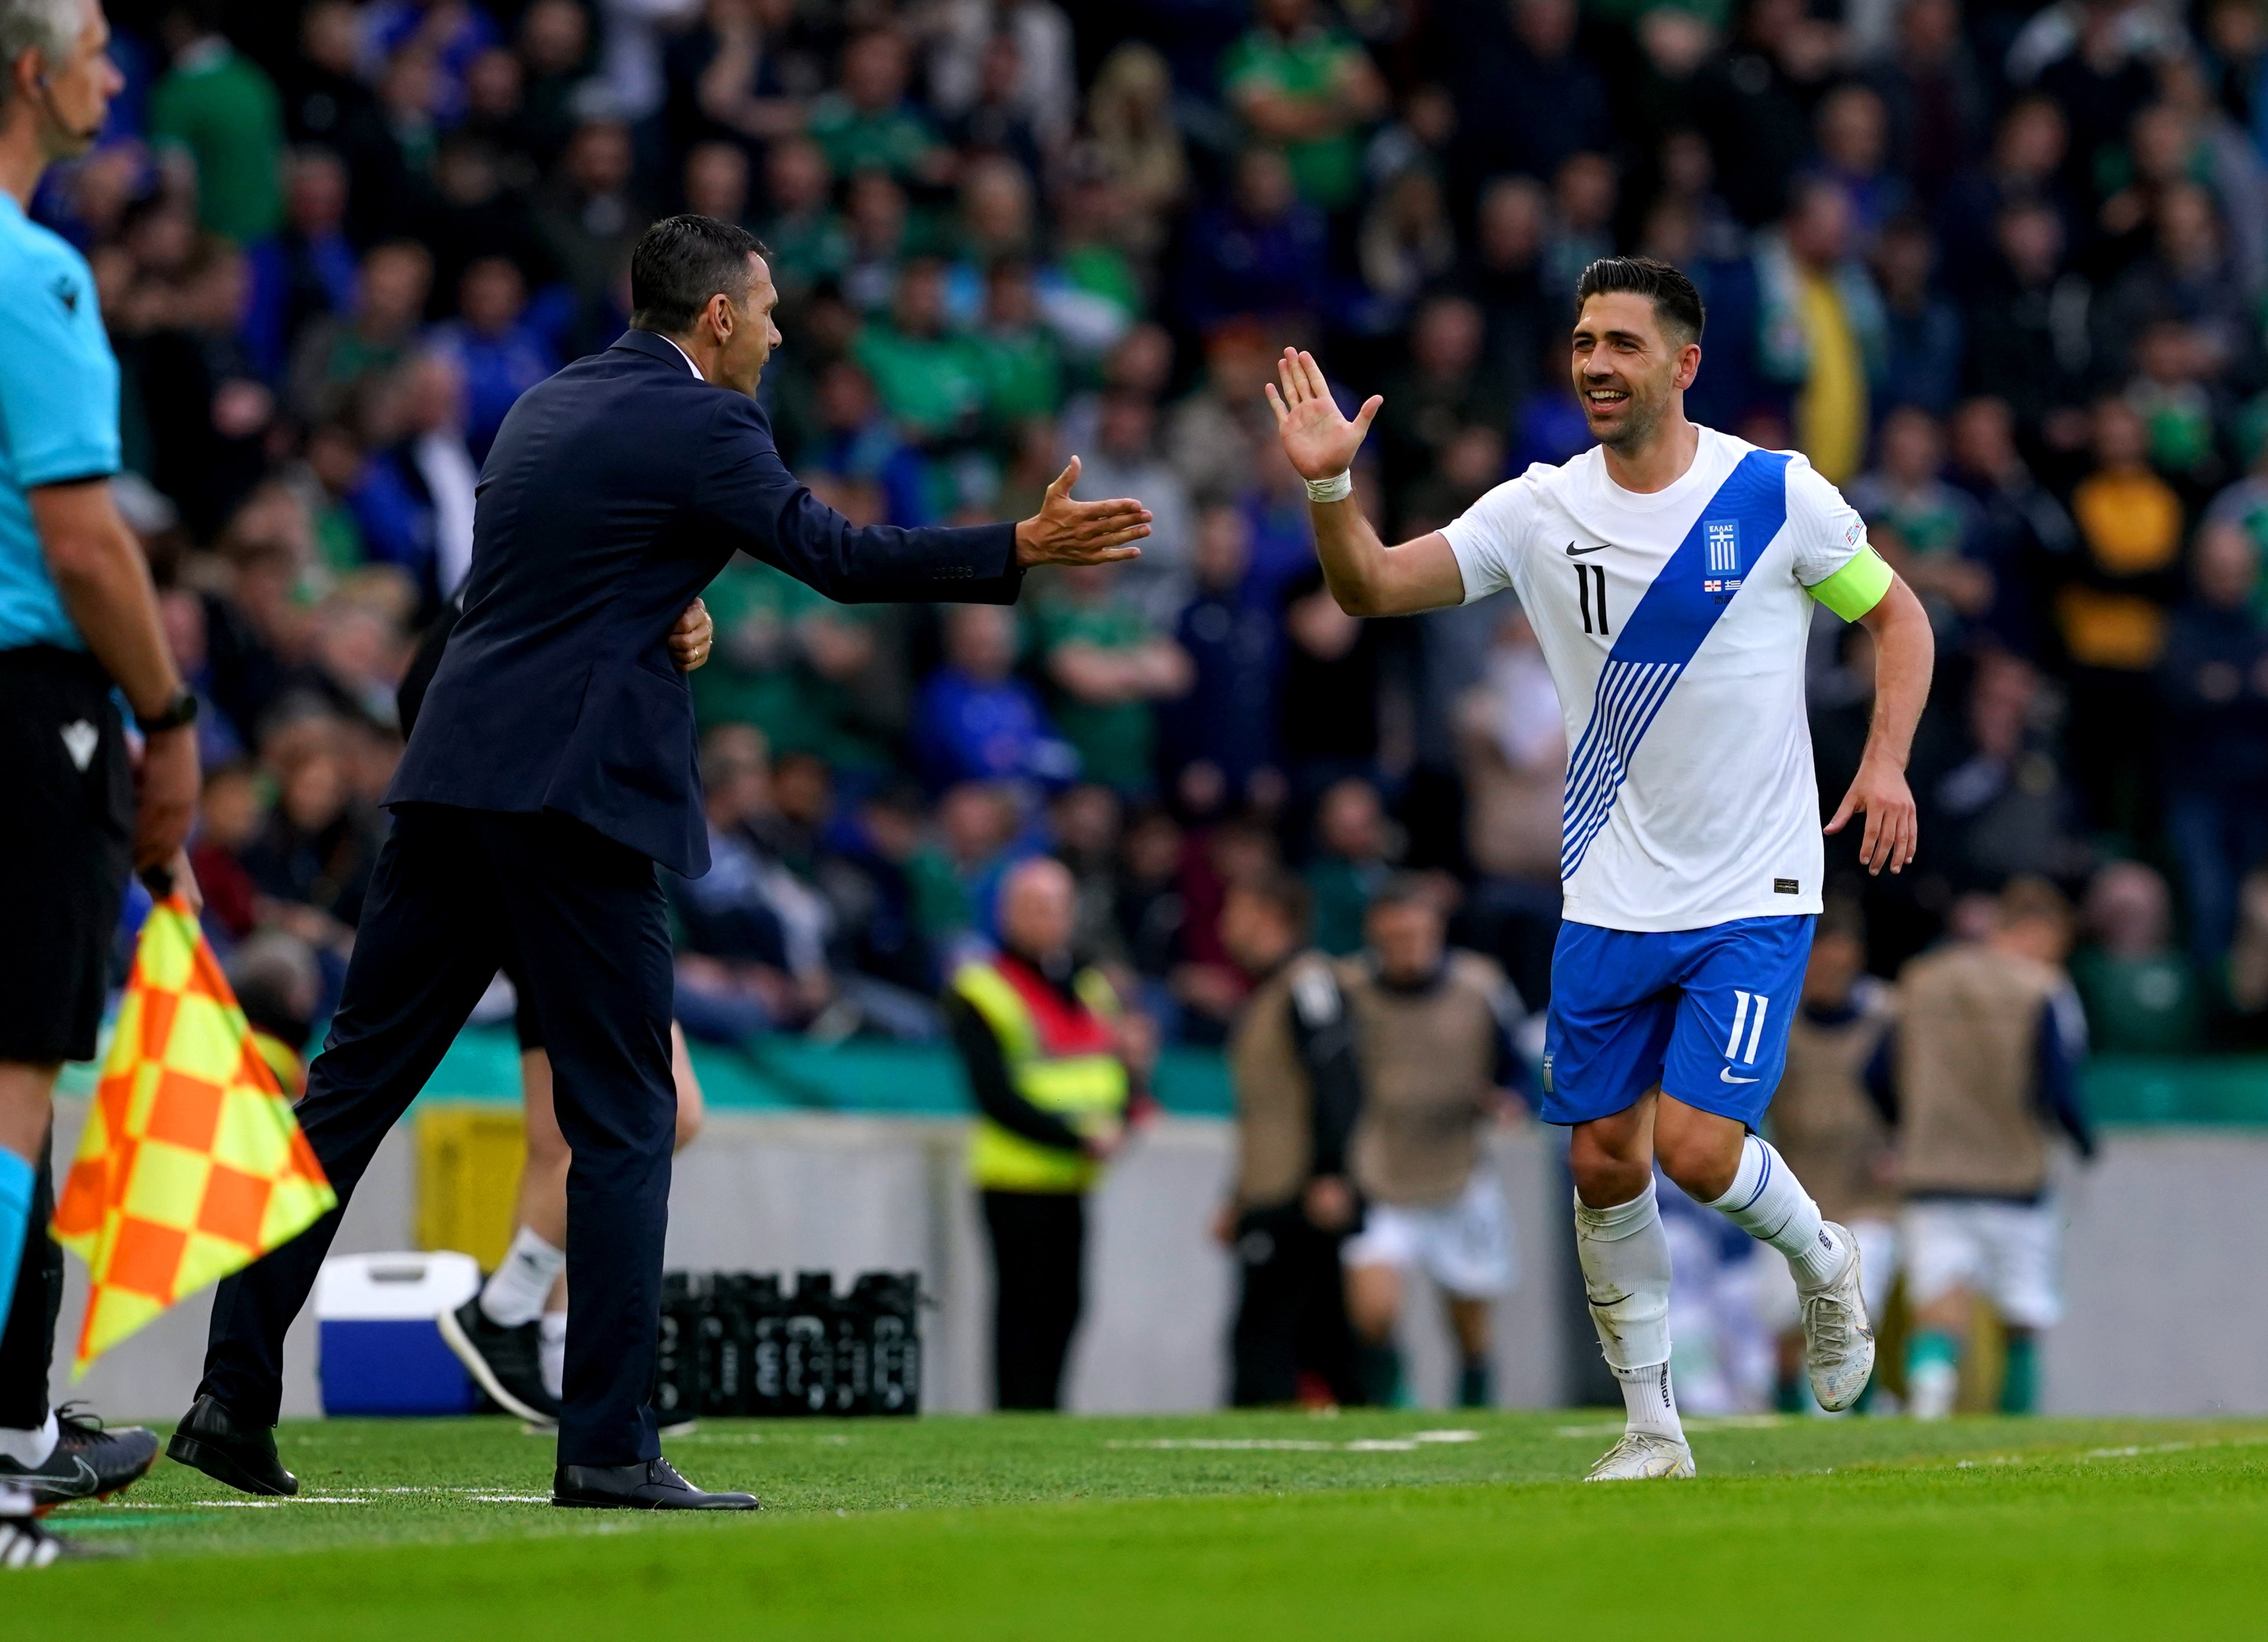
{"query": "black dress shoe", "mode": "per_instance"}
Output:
(211, 1439)
(653, 1486)
(508, 1363)
(89, 1462)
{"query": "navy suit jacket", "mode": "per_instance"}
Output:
(615, 493)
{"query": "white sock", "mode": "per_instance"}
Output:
(1625, 1259)
(15, 1502)
(28, 1448)
(551, 1346)
(1768, 1203)
(1649, 1403)
(516, 1289)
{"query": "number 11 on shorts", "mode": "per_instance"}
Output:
(1739, 1020)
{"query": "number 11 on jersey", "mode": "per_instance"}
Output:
(1587, 576)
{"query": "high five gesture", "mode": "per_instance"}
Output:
(1367, 577)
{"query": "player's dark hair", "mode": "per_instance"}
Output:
(680, 263)
(1677, 304)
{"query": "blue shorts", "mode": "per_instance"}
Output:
(1703, 1012)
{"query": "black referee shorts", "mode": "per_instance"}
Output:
(66, 846)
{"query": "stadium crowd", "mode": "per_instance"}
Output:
(1999, 272)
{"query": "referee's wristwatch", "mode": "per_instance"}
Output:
(180, 712)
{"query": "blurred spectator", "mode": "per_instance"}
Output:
(931, 382)
(1445, 389)
(856, 446)
(1352, 863)
(1434, 1035)
(1989, 1043)
(2003, 806)
(1298, 1093)
(1922, 336)
(1505, 275)
(814, 675)
(2112, 613)
(2142, 997)
(1137, 146)
(1512, 746)
(307, 270)
(1526, 97)
(1853, 154)
(310, 863)
(588, 214)
(1822, 329)
(1328, 717)
(1107, 660)
(1299, 83)
(975, 719)
(1234, 648)
(219, 109)
(956, 871)
(869, 122)
(499, 353)
(2028, 322)
(2213, 738)
(338, 352)
(1056, 1079)
(1124, 461)
(1263, 254)
(802, 231)
(1933, 529)
(753, 953)
(1023, 362)
(2028, 536)
(1933, 93)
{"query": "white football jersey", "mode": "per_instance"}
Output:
(1675, 625)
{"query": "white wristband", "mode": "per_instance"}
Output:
(1337, 488)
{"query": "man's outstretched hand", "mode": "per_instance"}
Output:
(1320, 442)
(1065, 532)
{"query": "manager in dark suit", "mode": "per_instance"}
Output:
(551, 768)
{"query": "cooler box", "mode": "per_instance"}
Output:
(378, 1350)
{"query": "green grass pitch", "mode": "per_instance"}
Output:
(1442, 1526)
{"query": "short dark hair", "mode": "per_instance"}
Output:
(680, 263)
(1676, 301)
(1287, 895)
(1407, 889)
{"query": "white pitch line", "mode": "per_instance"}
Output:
(1296, 1444)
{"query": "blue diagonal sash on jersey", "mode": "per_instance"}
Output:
(1660, 637)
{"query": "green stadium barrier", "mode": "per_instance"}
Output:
(920, 1080)
(789, 1075)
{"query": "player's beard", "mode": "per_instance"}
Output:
(1641, 418)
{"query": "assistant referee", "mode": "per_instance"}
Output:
(78, 627)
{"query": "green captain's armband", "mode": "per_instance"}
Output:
(1856, 588)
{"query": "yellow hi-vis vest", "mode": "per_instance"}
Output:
(1066, 1066)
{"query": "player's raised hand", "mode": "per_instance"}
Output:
(1892, 828)
(1065, 532)
(1320, 441)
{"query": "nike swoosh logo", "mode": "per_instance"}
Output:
(1727, 1075)
(1574, 552)
(62, 1486)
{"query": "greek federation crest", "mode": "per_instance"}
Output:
(1723, 540)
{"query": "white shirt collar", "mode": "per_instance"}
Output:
(681, 354)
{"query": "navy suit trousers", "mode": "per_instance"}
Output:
(455, 891)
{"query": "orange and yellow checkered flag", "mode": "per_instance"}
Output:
(191, 1164)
